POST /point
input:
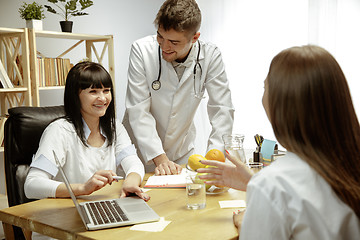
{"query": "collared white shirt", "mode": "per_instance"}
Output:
(290, 200)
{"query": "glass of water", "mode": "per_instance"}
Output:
(195, 193)
(233, 143)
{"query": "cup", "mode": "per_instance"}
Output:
(233, 143)
(195, 193)
(255, 166)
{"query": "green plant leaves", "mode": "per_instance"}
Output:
(69, 7)
(31, 11)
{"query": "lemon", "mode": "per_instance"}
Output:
(201, 181)
(194, 163)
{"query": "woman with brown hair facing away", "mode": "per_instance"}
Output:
(313, 192)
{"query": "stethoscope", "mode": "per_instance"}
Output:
(156, 85)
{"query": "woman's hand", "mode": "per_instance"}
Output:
(236, 175)
(131, 186)
(238, 218)
(97, 181)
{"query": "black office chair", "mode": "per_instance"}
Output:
(23, 130)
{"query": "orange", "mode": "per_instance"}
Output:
(215, 154)
(194, 163)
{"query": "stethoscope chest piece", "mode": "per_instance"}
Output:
(156, 85)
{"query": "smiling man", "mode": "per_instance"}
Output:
(167, 78)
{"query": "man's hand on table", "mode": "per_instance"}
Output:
(166, 167)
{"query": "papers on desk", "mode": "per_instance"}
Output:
(167, 181)
(151, 227)
(232, 204)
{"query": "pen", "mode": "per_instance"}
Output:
(117, 177)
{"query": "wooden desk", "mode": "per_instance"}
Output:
(58, 218)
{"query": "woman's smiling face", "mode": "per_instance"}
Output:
(94, 101)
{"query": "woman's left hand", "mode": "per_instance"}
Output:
(131, 186)
(238, 218)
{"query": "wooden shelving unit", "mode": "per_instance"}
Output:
(14, 54)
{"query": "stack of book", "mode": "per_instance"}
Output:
(53, 71)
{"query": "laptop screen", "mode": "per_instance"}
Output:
(68, 186)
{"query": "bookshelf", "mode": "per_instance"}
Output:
(14, 56)
(91, 52)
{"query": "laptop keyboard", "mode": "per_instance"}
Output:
(107, 211)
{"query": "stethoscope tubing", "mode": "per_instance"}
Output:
(156, 84)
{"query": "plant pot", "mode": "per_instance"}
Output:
(66, 26)
(35, 24)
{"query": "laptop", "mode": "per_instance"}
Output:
(110, 213)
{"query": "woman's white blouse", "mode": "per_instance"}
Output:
(289, 200)
(78, 161)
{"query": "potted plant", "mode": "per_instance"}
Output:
(67, 9)
(33, 13)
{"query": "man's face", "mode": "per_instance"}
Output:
(175, 45)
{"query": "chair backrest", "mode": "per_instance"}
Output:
(23, 130)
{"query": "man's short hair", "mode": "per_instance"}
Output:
(180, 15)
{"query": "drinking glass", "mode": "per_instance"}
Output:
(234, 145)
(195, 193)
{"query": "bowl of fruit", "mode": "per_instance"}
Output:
(194, 164)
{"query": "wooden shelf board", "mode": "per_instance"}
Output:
(11, 30)
(51, 87)
(16, 89)
(77, 36)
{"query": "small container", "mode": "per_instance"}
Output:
(233, 143)
(195, 193)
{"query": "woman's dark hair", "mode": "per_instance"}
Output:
(312, 114)
(82, 76)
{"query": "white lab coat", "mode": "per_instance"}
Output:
(290, 200)
(162, 121)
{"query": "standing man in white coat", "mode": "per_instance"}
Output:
(167, 78)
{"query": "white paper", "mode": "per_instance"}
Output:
(151, 227)
(232, 204)
(167, 180)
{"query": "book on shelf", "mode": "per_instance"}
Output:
(52, 71)
(4, 78)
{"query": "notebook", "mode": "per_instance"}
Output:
(167, 181)
(110, 213)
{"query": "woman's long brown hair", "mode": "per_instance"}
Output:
(312, 114)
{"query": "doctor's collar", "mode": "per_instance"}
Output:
(191, 56)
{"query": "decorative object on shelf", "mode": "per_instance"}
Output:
(68, 9)
(33, 13)
(5, 81)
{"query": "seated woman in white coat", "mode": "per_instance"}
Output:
(313, 192)
(90, 144)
